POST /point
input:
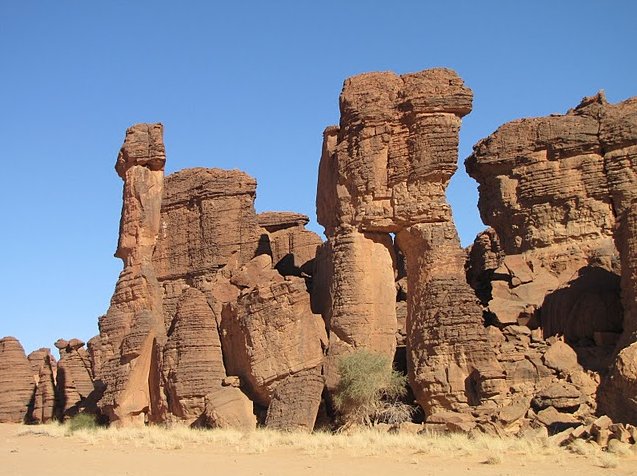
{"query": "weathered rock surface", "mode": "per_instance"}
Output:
(229, 407)
(17, 384)
(451, 364)
(385, 170)
(74, 383)
(295, 401)
(44, 368)
(292, 247)
(269, 334)
(559, 191)
(207, 221)
(132, 332)
(192, 359)
(362, 297)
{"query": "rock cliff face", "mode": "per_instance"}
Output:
(198, 268)
(222, 317)
(385, 170)
(558, 192)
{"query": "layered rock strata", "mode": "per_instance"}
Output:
(17, 384)
(197, 270)
(75, 391)
(385, 170)
(44, 368)
(558, 193)
(292, 247)
(132, 332)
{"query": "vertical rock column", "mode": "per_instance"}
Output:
(363, 298)
(450, 366)
(16, 381)
(132, 332)
(385, 170)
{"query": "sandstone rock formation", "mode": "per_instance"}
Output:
(558, 192)
(292, 247)
(192, 360)
(229, 407)
(270, 335)
(44, 367)
(385, 170)
(17, 384)
(74, 380)
(132, 332)
(184, 317)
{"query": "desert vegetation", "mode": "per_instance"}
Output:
(369, 390)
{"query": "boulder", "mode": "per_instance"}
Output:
(292, 247)
(229, 407)
(561, 395)
(295, 401)
(269, 334)
(561, 357)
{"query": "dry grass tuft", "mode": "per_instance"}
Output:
(493, 459)
(608, 461)
(362, 441)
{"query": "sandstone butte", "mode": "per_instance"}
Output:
(222, 317)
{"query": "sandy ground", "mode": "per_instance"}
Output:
(40, 454)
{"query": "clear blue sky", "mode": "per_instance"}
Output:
(248, 85)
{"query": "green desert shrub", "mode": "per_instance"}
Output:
(81, 421)
(369, 389)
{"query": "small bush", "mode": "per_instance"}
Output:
(81, 421)
(369, 388)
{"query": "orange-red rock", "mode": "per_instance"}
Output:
(132, 332)
(385, 170)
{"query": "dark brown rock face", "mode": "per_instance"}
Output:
(17, 384)
(385, 170)
(132, 332)
(559, 191)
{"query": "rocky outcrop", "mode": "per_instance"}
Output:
(228, 407)
(295, 401)
(207, 221)
(17, 384)
(44, 367)
(74, 381)
(291, 246)
(132, 332)
(385, 170)
(270, 334)
(192, 359)
(558, 192)
(197, 270)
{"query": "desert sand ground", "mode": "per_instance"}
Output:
(52, 449)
